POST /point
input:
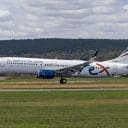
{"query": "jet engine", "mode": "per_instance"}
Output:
(46, 74)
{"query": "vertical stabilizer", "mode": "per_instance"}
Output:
(123, 58)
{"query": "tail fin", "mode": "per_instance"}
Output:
(123, 58)
(124, 53)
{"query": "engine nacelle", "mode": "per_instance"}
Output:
(46, 74)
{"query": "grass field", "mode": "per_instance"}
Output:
(72, 109)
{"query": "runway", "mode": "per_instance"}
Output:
(41, 86)
(54, 90)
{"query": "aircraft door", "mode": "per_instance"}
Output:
(2, 63)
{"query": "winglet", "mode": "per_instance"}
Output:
(96, 53)
(93, 58)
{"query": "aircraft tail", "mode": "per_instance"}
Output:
(123, 58)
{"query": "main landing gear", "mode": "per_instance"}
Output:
(63, 80)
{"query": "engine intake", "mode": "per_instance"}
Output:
(46, 74)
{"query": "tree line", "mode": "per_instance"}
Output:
(62, 48)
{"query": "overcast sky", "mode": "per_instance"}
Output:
(63, 19)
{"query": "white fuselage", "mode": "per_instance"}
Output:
(32, 65)
(105, 69)
(19, 65)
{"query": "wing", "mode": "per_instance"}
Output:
(69, 71)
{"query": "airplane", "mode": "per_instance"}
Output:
(50, 68)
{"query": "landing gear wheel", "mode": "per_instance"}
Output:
(63, 81)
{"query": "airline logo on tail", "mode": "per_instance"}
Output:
(124, 53)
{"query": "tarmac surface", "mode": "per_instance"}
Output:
(55, 86)
(54, 90)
